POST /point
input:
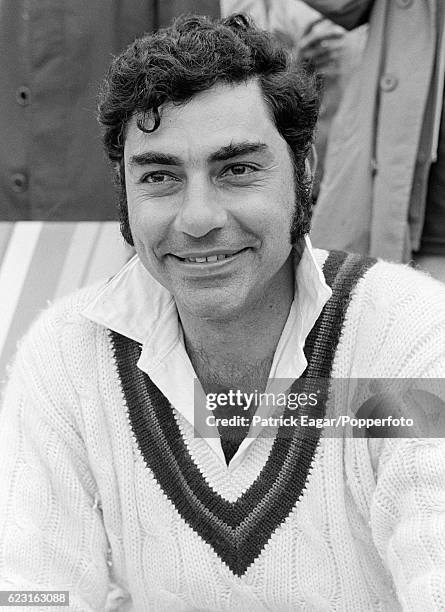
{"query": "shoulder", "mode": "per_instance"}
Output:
(61, 346)
(395, 324)
(398, 288)
(64, 317)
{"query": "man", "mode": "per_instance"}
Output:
(209, 125)
(385, 167)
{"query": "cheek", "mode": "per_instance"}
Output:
(148, 224)
(144, 231)
(276, 213)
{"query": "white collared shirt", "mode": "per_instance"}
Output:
(136, 305)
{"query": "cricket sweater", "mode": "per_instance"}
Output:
(85, 505)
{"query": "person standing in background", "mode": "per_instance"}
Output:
(383, 189)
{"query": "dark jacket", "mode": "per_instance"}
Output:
(54, 54)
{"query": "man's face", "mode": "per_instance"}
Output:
(211, 199)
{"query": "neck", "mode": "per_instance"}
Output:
(238, 351)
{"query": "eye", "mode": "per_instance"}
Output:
(158, 178)
(239, 170)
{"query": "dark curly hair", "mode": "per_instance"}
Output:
(191, 56)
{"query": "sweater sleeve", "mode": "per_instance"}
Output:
(408, 520)
(348, 13)
(51, 530)
(408, 505)
(398, 332)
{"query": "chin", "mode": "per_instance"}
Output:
(213, 304)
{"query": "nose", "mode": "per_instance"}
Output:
(201, 210)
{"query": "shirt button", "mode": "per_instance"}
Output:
(23, 95)
(388, 82)
(19, 182)
(404, 3)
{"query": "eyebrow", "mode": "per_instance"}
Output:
(237, 149)
(224, 153)
(153, 157)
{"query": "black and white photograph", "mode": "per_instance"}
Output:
(222, 305)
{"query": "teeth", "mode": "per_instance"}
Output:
(210, 259)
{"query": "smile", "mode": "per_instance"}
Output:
(209, 259)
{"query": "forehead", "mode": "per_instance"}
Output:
(214, 118)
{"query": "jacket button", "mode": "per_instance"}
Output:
(388, 82)
(404, 3)
(23, 95)
(19, 182)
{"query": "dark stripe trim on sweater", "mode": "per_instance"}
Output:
(237, 531)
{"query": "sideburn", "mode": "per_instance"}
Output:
(123, 204)
(301, 219)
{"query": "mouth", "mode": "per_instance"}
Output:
(209, 259)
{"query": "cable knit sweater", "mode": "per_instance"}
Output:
(80, 510)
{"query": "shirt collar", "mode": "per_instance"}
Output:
(134, 304)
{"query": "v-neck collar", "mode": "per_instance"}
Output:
(238, 530)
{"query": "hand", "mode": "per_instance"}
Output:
(322, 45)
